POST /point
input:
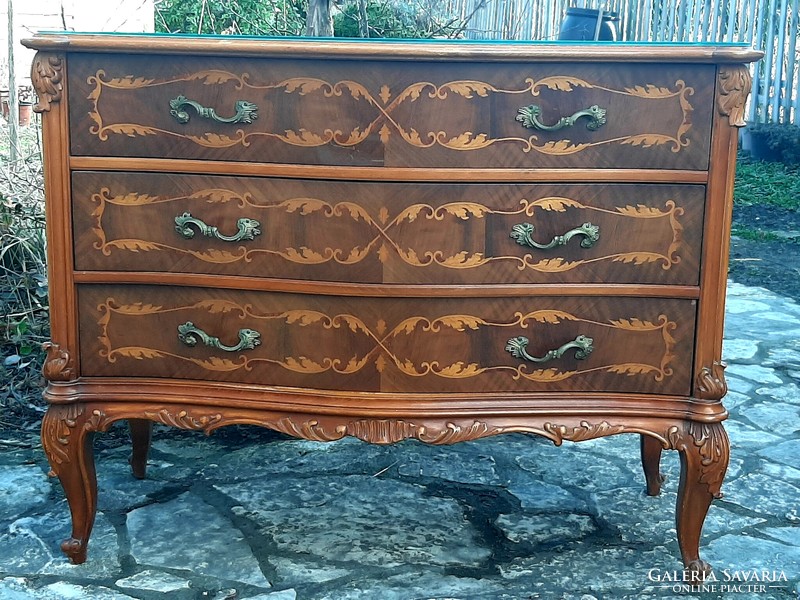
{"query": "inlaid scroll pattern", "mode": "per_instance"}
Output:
(381, 107)
(380, 239)
(381, 339)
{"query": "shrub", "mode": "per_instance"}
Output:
(781, 138)
(24, 315)
(398, 19)
(246, 17)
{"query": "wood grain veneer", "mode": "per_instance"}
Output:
(383, 288)
(377, 232)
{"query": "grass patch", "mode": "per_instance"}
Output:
(755, 234)
(767, 183)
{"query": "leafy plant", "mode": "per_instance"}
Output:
(24, 315)
(396, 19)
(242, 17)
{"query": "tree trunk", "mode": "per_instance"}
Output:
(363, 22)
(318, 20)
(13, 107)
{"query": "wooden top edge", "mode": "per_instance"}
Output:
(392, 50)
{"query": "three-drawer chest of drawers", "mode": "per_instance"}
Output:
(431, 240)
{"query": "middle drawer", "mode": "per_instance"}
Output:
(386, 232)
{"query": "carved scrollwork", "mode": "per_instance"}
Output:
(710, 382)
(709, 443)
(184, 420)
(58, 424)
(384, 431)
(453, 433)
(58, 365)
(308, 430)
(735, 82)
(47, 72)
(584, 431)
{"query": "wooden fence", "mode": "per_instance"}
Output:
(770, 25)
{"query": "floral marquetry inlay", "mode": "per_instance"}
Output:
(381, 236)
(380, 115)
(384, 343)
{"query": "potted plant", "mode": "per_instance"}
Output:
(25, 101)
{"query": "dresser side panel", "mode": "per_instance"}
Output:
(50, 79)
(709, 380)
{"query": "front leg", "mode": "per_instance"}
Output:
(67, 433)
(705, 451)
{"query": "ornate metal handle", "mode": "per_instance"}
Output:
(522, 234)
(190, 335)
(246, 112)
(582, 344)
(248, 229)
(529, 117)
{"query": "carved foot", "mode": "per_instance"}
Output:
(705, 451)
(141, 433)
(651, 463)
(67, 439)
(75, 550)
(699, 566)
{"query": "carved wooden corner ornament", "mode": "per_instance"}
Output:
(46, 76)
(58, 364)
(735, 82)
(710, 382)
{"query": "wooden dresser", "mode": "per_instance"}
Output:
(440, 241)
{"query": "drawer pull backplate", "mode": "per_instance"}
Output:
(522, 233)
(246, 112)
(190, 335)
(248, 229)
(529, 117)
(582, 345)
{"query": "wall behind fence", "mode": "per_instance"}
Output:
(769, 25)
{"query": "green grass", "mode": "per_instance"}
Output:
(755, 234)
(767, 183)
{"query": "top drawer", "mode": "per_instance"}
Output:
(393, 114)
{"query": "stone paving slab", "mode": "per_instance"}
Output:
(251, 515)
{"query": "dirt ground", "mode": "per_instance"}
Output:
(772, 262)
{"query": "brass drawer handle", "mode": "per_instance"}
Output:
(246, 112)
(190, 335)
(248, 229)
(582, 344)
(522, 233)
(529, 117)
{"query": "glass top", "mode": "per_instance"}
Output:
(658, 44)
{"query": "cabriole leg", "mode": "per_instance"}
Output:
(651, 463)
(141, 433)
(705, 451)
(67, 439)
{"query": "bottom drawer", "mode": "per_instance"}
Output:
(388, 344)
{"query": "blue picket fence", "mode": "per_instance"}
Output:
(769, 25)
